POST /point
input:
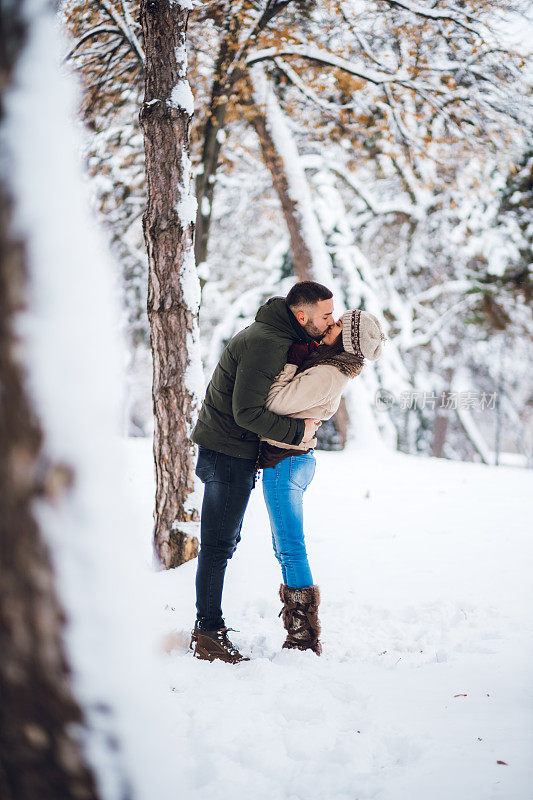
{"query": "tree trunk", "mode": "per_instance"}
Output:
(311, 258)
(301, 253)
(212, 143)
(173, 289)
(229, 69)
(440, 426)
(39, 758)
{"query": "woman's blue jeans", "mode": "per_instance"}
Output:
(283, 489)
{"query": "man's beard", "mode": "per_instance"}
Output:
(313, 332)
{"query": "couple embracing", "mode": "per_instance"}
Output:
(274, 384)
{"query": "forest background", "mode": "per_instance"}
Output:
(381, 147)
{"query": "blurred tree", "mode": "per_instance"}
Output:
(39, 755)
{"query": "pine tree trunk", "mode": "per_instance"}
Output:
(38, 756)
(173, 290)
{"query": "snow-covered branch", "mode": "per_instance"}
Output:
(376, 209)
(435, 14)
(451, 66)
(129, 23)
(124, 27)
(437, 325)
(426, 90)
(440, 289)
(90, 35)
(362, 40)
(269, 12)
(331, 59)
(404, 133)
(307, 92)
(368, 51)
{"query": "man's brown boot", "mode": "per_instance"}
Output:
(300, 617)
(214, 645)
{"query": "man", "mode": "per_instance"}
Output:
(232, 418)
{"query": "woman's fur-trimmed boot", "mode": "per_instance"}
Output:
(300, 617)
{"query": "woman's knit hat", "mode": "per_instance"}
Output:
(361, 334)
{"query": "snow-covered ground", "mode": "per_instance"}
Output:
(424, 687)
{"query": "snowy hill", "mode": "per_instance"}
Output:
(424, 685)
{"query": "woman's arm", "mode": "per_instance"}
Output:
(292, 394)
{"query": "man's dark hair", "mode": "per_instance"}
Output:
(307, 293)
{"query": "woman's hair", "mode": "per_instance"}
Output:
(323, 353)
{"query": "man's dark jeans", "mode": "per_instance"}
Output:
(228, 482)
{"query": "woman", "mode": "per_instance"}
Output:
(311, 389)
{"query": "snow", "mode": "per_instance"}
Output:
(194, 376)
(187, 205)
(182, 97)
(190, 286)
(188, 4)
(180, 53)
(424, 685)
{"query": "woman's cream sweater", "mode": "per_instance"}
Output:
(314, 393)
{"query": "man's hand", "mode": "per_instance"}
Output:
(311, 427)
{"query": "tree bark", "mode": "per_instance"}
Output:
(38, 756)
(310, 256)
(173, 290)
(301, 253)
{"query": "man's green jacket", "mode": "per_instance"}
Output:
(233, 414)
